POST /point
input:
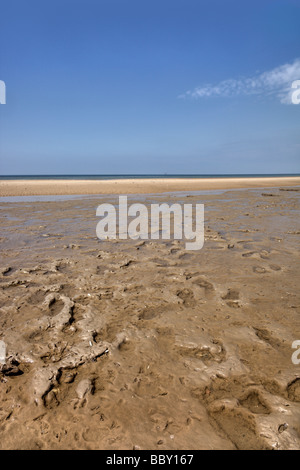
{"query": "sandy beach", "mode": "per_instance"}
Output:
(136, 186)
(131, 344)
(150, 228)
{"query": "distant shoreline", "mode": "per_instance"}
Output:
(141, 176)
(45, 187)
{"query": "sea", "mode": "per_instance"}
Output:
(143, 176)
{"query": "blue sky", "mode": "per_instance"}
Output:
(138, 86)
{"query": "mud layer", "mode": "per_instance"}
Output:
(142, 344)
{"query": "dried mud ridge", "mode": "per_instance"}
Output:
(143, 345)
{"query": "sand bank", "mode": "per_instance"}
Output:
(136, 186)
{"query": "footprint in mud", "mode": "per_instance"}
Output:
(110, 333)
(59, 310)
(264, 254)
(232, 298)
(140, 244)
(55, 353)
(6, 271)
(187, 296)
(11, 368)
(36, 298)
(125, 264)
(50, 400)
(259, 270)
(67, 376)
(191, 275)
(78, 312)
(62, 267)
(34, 336)
(293, 390)
(275, 267)
(238, 424)
(185, 256)
(207, 354)
(247, 255)
(265, 335)
(55, 307)
(148, 313)
(105, 293)
(84, 388)
(67, 290)
(125, 345)
(205, 285)
(254, 403)
(160, 262)
(174, 251)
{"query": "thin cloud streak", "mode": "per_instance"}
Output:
(276, 82)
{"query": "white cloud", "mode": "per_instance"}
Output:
(276, 82)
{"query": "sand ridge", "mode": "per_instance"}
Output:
(136, 186)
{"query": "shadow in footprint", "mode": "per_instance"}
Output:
(254, 403)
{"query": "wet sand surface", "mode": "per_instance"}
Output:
(129, 344)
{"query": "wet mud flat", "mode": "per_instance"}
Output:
(140, 344)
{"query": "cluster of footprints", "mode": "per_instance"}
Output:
(69, 339)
